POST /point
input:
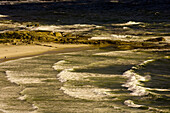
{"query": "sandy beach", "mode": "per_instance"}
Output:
(8, 52)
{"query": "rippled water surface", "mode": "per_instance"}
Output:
(86, 81)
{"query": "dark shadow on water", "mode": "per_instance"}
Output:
(160, 74)
(61, 13)
(116, 69)
(111, 82)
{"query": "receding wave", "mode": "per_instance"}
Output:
(21, 77)
(89, 93)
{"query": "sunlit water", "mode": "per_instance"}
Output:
(98, 81)
(86, 81)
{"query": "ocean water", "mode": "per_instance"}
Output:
(105, 81)
(89, 81)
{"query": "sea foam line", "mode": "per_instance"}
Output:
(89, 93)
(21, 78)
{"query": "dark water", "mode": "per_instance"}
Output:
(86, 81)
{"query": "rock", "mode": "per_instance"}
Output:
(7, 44)
(58, 34)
(125, 47)
(155, 39)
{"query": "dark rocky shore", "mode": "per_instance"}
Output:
(34, 37)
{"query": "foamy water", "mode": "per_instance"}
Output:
(89, 93)
(22, 78)
(60, 82)
(86, 92)
(130, 103)
(128, 23)
(114, 37)
(2, 16)
(67, 28)
(134, 80)
(66, 75)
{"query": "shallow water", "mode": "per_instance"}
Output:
(86, 81)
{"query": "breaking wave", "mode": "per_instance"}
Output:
(66, 73)
(134, 80)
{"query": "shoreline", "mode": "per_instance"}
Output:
(22, 51)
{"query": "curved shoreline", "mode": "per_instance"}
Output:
(31, 50)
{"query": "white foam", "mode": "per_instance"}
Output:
(115, 53)
(2, 16)
(59, 65)
(126, 28)
(147, 61)
(138, 91)
(61, 62)
(23, 97)
(143, 64)
(133, 83)
(122, 36)
(66, 71)
(66, 75)
(34, 106)
(89, 93)
(67, 28)
(46, 28)
(130, 103)
(114, 37)
(22, 77)
(82, 92)
(101, 38)
(157, 89)
(4, 111)
(132, 23)
(128, 23)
